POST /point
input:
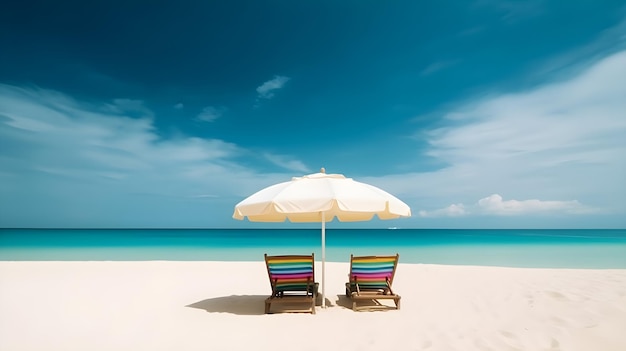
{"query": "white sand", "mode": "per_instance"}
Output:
(219, 306)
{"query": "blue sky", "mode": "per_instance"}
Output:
(478, 114)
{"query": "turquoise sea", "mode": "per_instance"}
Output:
(513, 248)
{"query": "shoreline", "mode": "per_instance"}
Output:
(195, 305)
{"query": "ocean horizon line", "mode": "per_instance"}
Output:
(292, 228)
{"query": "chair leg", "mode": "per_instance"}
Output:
(397, 303)
(267, 306)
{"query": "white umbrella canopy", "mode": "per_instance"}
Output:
(320, 197)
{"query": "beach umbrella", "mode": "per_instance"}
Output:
(320, 197)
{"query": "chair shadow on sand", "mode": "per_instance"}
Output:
(373, 305)
(248, 305)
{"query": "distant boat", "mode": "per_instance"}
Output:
(392, 228)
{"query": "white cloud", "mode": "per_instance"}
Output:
(496, 205)
(557, 141)
(202, 196)
(454, 210)
(57, 132)
(209, 114)
(514, 11)
(610, 40)
(266, 90)
(579, 121)
(127, 106)
(438, 66)
(287, 163)
(179, 106)
(68, 163)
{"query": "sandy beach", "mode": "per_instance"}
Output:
(163, 305)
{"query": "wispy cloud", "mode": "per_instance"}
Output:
(203, 196)
(209, 114)
(66, 162)
(287, 163)
(512, 11)
(496, 205)
(129, 107)
(563, 140)
(454, 210)
(471, 31)
(92, 137)
(576, 121)
(609, 41)
(267, 89)
(179, 106)
(438, 66)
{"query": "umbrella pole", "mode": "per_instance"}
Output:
(323, 260)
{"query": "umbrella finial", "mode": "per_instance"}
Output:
(323, 170)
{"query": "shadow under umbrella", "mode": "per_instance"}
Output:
(250, 305)
(369, 305)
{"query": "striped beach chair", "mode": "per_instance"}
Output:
(370, 279)
(292, 278)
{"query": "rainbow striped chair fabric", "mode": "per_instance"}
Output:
(292, 278)
(370, 279)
